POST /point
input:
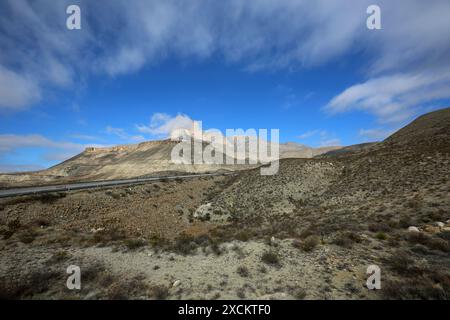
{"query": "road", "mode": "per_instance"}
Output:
(96, 184)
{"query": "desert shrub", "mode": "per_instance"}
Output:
(405, 222)
(133, 244)
(14, 225)
(308, 232)
(105, 237)
(404, 263)
(126, 289)
(270, 257)
(438, 244)
(444, 235)
(240, 293)
(418, 237)
(380, 226)
(113, 195)
(381, 236)
(36, 282)
(156, 240)
(415, 288)
(27, 236)
(243, 235)
(300, 294)
(435, 243)
(346, 239)
(159, 292)
(243, 271)
(58, 256)
(309, 243)
(49, 198)
(184, 245)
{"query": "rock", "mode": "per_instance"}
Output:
(431, 229)
(273, 241)
(230, 246)
(413, 229)
(203, 212)
(440, 224)
(176, 283)
(93, 230)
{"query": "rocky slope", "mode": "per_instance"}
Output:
(309, 232)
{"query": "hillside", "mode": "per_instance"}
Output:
(309, 231)
(135, 160)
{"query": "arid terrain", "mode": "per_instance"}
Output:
(150, 158)
(308, 232)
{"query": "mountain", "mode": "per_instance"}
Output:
(136, 160)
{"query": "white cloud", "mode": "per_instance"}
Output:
(17, 91)
(394, 98)
(164, 125)
(53, 150)
(40, 53)
(10, 142)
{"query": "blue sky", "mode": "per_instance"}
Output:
(137, 70)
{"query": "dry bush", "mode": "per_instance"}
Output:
(347, 239)
(133, 244)
(271, 257)
(159, 292)
(27, 235)
(310, 243)
(243, 271)
(126, 289)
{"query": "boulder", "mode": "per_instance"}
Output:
(413, 229)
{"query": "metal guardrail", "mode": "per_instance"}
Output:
(97, 184)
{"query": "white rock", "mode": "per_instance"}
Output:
(176, 283)
(273, 241)
(203, 211)
(413, 229)
(440, 224)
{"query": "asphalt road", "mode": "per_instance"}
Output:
(96, 184)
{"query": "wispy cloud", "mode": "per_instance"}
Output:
(393, 98)
(308, 134)
(123, 135)
(133, 34)
(320, 138)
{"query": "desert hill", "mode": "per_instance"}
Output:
(135, 160)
